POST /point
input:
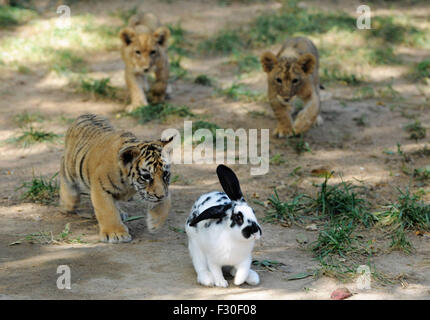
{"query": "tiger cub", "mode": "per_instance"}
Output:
(113, 165)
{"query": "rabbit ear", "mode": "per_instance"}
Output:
(216, 212)
(229, 182)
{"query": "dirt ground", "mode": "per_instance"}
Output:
(158, 266)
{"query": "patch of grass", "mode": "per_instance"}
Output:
(422, 152)
(176, 70)
(24, 69)
(212, 127)
(400, 242)
(47, 237)
(203, 80)
(13, 16)
(408, 213)
(422, 69)
(178, 40)
(390, 31)
(245, 62)
(365, 92)
(341, 202)
(291, 20)
(40, 190)
(257, 114)
(416, 130)
(49, 46)
(268, 29)
(31, 136)
(25, 118)
(270, 265)
(125, 14)
(238, 91)
(65, 61)
(383, 56)
(422, 173)
(160, 111)
(336, 240)
(361, 121)
(389, 92)
(177, 230)
(283, 212)
(225, 42)
(277, 159)
(201, 124)
(298, 144)
(336, 75)
(98, 87)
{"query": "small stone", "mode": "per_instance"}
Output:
(340, 294)
(301, 238)
(311, 227)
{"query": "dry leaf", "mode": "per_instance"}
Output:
(321, 172)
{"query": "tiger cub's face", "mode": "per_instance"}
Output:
(149, 170)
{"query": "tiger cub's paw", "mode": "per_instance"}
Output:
(154, 223)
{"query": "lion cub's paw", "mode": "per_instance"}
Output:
(115, 236)
(281, 132)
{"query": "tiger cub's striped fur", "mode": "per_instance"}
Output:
(113, 165)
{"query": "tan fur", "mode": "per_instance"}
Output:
(297, 60)
(144, 49)
(113, 165)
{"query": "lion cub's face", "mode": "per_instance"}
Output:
(143, 49)
(287, 76)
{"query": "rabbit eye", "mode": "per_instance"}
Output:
(236, 219)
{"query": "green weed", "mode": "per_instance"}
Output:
(341, 202)
(160, 112)
(277, 160)
(13, 16)
(40, 190)
(408, 213)
(416, 130)
(238, 91)
(336, 75)
(31, 136)
(203, 80)
(299, 144)
(25, 118)
(423, 69)
(65, 61)
(98, 87)
(245, 62)
(400, 242)
(176, 70)
(284, 212)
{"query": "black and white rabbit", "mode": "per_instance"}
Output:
(222, 229)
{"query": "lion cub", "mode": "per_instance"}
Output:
(144, 50)
(293, 72)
